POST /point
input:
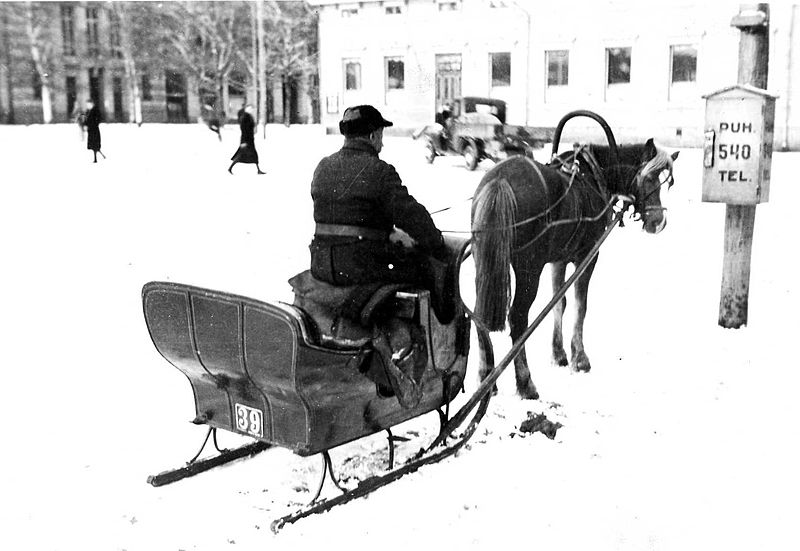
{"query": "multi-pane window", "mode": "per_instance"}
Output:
(448, 6)
(92, 35)
(147, 88)
(683, 59)
(349, 11)
(501, 69)
(393, 9)
(395, 73)
(352, 75)
(68, 29)
(557, 67)
(618, 65)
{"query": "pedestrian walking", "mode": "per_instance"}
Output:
(247, 147)
(213, 120)
(79, 117)
(92, 122)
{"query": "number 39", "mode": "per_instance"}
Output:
(249, 420)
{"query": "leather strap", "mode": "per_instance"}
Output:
(341, 230)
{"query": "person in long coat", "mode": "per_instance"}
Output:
(247, 147)
(92, 123)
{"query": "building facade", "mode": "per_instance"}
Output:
(80, 45)
(643, 66)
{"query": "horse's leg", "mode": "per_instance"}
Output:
(486, 355)
(580, 361)
(559, 270)
(527, 281)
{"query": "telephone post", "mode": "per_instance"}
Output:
(753, 22)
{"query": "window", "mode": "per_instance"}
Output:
(147, 88)
(349, 12)
(395, 73)
(501, 69)
(114, 36)
(684, 63)
(352, 75)
(92, 37)
(618, 65)
(36, 82)
(557, 67)
(71, 87)
(395, 9)
(448, 6)
(68, 29)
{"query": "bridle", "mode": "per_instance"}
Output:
(640, 207)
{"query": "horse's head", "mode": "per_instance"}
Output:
(654, 171)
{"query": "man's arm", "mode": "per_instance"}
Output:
(410, 216)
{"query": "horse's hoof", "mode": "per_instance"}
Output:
(582, 365)
(560, 358)
(528, 393)
(580, 362)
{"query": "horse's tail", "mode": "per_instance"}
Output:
(492, 238)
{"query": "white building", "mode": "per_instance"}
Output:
(643, 66)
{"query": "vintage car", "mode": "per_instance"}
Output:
(476, 128)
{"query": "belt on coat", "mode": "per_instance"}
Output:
(341, 230)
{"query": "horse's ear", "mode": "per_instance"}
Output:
(649, 150)
(675, 155)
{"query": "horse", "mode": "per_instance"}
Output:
(526, 215)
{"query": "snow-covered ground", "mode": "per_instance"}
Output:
(683, 436)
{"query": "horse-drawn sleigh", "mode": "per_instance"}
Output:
(310, 379)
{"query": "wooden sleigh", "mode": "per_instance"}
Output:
(260, 369)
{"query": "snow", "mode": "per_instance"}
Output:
(683, 435)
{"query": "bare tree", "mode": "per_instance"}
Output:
(291, 45)
(37, 18)
(206, 40)
(125, 21)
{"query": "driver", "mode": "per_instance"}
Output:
(358, 200)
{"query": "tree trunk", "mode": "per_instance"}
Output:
(47, 103)
(38, 63)
(7, 48)
(222, 98)
(262, 68)
(135, 103)
(287, 116)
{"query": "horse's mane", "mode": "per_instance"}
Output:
(630, 159)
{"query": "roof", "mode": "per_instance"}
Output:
(742, 87)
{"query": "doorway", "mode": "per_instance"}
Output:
(175, 84)
(448, 79)
(96, 86)
(119, 114)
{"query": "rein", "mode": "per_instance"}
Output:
(582, 151)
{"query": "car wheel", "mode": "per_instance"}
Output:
(430, 151)
(470, 156)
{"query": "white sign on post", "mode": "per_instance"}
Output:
(737, 149)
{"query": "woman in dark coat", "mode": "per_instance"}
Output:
(92, 122)
(247, 148)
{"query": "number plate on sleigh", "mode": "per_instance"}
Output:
(250, 420)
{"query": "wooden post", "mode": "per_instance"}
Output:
(740, 219)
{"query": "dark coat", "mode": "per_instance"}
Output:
(247, 144)
(92, 123)
(354, 187)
